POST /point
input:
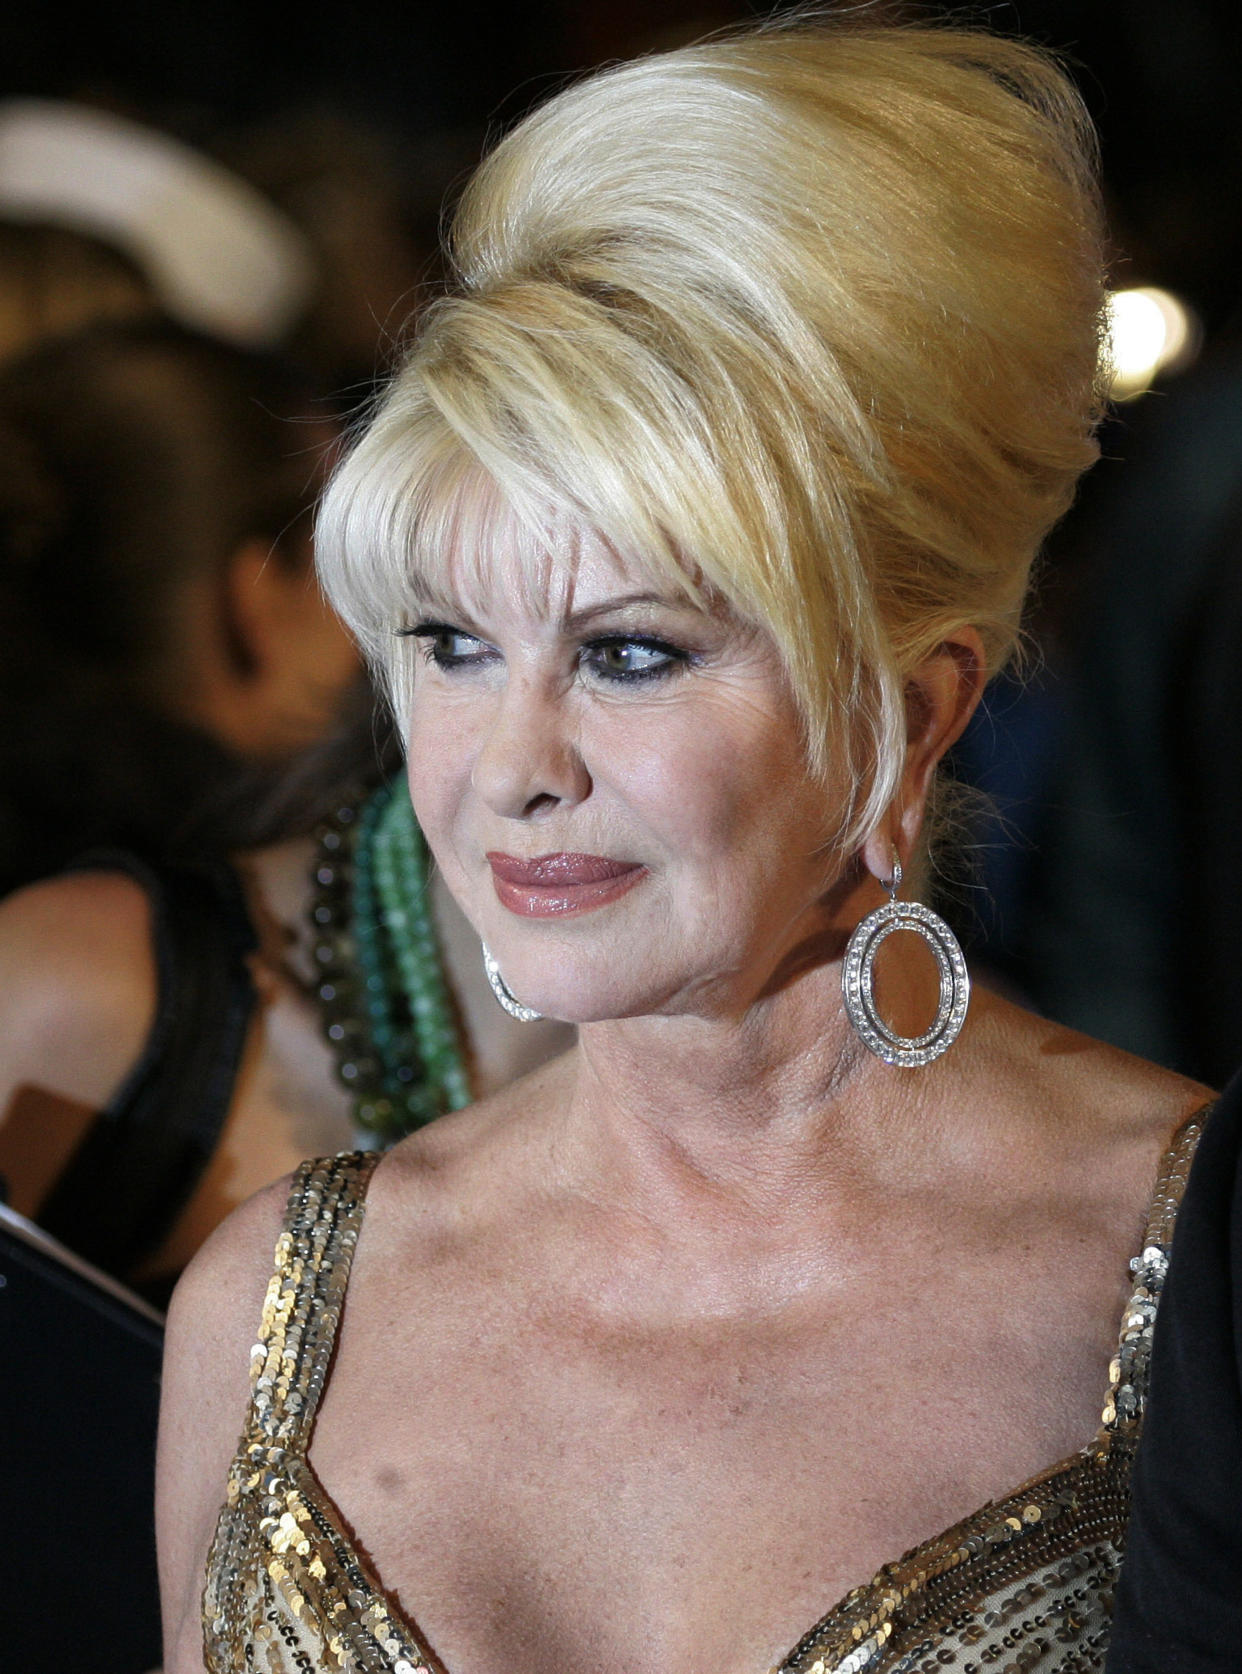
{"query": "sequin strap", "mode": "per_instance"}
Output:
(1128, 1374)
(302, 1309)
(1025, 1582)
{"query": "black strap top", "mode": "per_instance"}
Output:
(142, 1157)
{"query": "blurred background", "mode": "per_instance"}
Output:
(212, 213)
(403, 94)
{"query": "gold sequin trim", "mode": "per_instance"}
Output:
(285, 1589)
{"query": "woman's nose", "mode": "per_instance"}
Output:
(529, 761)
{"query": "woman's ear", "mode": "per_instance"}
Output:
(263, 591)
(296, 657)
(941, 695)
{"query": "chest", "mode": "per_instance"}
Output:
(541, 1486)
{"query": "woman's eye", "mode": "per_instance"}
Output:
(448, 647)
(632, 659)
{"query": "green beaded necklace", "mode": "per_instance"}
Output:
(387, 1010)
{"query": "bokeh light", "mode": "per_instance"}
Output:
(1150, 332)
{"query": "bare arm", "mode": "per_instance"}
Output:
(213, 1321)
(77, 1001)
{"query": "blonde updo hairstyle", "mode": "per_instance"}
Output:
(805, 320)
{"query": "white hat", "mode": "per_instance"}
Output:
(219, 255)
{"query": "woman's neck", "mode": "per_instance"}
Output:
(779, 1104)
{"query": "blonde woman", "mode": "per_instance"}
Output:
(687, 536)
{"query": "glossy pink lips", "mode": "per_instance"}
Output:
(551, 885)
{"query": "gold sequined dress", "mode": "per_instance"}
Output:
(1024, 1586)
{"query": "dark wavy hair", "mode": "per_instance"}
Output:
(133, 460)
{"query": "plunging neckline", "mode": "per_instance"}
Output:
(312, 1526)
(421, 1658)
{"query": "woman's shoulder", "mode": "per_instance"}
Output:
(78, 999)
(212, 1322)
(93, 904)
(1126, 1096)
(434, 1174)
(1101, 1122)
(78, 975)
(218, 1300)
(1075, 1078)
(217, 1306)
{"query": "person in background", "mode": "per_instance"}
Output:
(164, 655)
(102, 217)
(167, 663)
(54, 279)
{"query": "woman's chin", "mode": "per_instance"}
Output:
(586, 1000)
(592, 1001)
(573, 1009)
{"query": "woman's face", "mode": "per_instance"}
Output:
(614, 784)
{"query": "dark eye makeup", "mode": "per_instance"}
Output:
(445, 645)
(631, 657)
(620, 659)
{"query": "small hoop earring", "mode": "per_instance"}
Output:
(858, 980)
(504, 994)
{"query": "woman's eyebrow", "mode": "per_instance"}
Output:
(607, 607)
(434, 587)
(431, 599)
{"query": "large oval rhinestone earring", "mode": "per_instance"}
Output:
(858, 980)
(504, 994)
